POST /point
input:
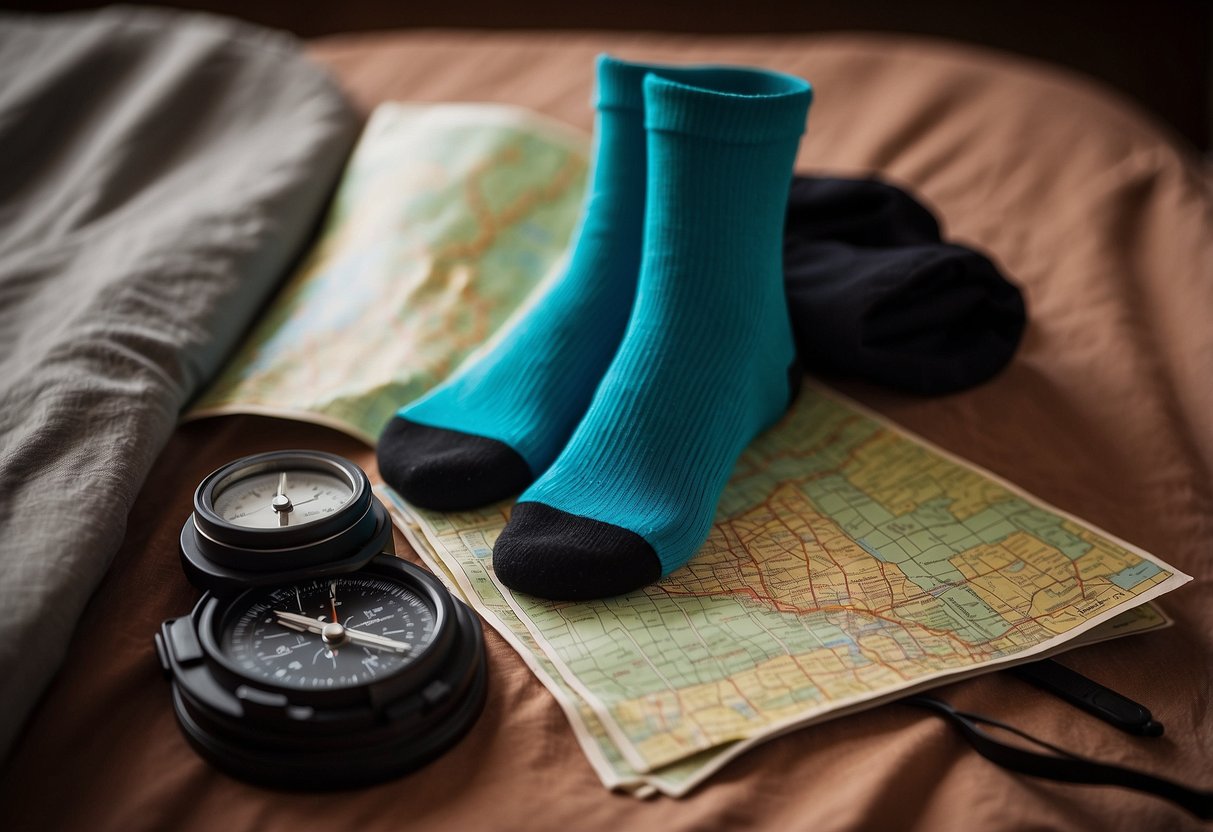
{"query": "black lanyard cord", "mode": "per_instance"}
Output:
(1066, 766)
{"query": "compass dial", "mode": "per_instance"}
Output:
(276, 499)
(328, 634)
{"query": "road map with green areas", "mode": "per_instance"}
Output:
(849, 563)
(446, 219)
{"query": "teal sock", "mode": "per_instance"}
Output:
(490, 429)
(706, 361)
(486, 432)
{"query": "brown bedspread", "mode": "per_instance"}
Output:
(1105, 412)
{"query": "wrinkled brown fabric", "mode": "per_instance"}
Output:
(1105, 412)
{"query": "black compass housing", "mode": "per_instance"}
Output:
(327, 739)
(316, 738)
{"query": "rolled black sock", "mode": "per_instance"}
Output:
(860, 212)
(875, 295)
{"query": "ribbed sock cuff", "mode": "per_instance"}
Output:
(620, 84)
(731, 104)
(735, 105)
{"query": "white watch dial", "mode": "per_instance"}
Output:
(282, 499)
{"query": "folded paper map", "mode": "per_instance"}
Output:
(849, 563)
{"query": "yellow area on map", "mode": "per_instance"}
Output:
(446, 219)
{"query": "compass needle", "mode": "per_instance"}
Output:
(372, 640)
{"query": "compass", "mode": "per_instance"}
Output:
(273, 517)
(314, 659)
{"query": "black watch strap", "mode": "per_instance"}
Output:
(1061, 765)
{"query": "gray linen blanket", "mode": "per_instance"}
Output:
(158, 174)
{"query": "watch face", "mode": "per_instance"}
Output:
(282, 499)
(328, 634)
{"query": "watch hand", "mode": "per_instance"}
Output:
(333, 600)
(302, 623)
(372, 640)
(282, 503)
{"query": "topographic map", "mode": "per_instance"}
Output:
(446, 219)
(849, 563)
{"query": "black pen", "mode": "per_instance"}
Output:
(1108, 705)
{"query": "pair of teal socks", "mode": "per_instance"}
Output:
(620, 402)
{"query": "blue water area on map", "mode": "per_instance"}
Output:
(1131, 576)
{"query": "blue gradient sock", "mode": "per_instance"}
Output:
(490, 429)
(705, 363)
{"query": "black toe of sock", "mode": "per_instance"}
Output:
(446, 470)
(553, 554)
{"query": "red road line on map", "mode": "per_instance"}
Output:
(1082, 588)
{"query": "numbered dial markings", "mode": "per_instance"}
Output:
(282, 498)
(331, 633)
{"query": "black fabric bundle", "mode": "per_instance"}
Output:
(875, 293)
